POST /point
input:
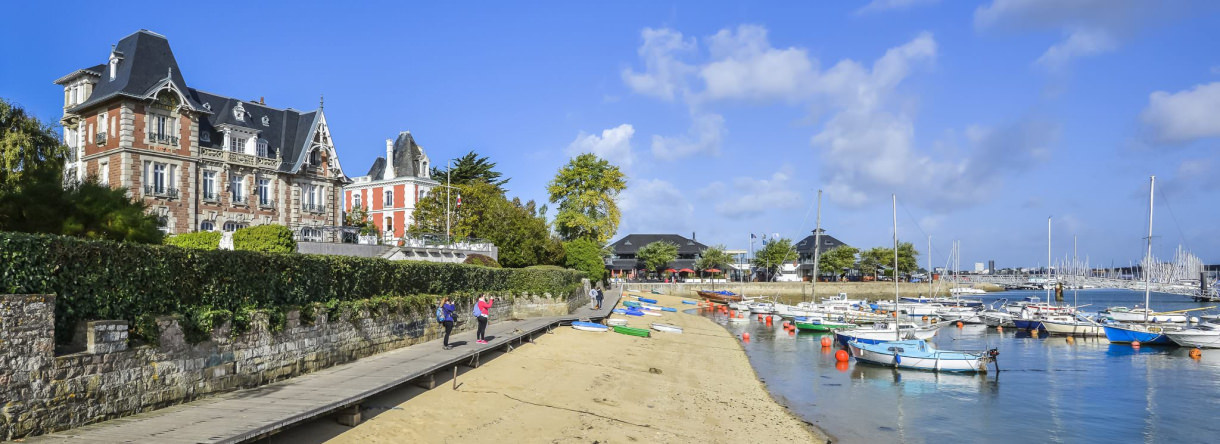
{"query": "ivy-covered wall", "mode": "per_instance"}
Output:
(134, 282)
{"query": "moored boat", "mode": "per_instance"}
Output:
(1203, 336)
(668, 328)
(723, 296)
(589, 326)
(920, 355)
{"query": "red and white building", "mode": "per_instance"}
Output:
(393, 186)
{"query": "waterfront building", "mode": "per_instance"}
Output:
(624, 263)
(393, 187)
(201, 161)
(805, 252)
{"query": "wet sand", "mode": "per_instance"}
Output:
(575, 386)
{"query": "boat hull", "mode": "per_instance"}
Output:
(823, 326)
(719, 297)
(1073, 328)
(1195, 338)
(936, 361)
(1121, 335)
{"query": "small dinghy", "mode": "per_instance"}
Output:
(684, 301)
(650, 301)
(632, 304)
(666, 328)
(634, 312)
(589, 326)
(632, 331)
(619, 311)
(616, 322)
(655, 291)
(650, 313)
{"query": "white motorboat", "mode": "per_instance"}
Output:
(920, 355)
(762, 308)
(884, 331)
(961, 291)
(1124, 314)
(1204, 335)
(1072, 326)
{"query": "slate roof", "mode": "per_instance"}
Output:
(407, 155)
(146, 63)
(828, 243)
(631, 243)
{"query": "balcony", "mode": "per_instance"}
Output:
(240, 158)
(314, 208)
(99, 139)
(266, 203)
(211, 196)
(164, 139)
(160, 192)
(238, 199)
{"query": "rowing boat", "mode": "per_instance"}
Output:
(589, 326)
(722, 297)
(632, 331)
(614, 322)
(666, 328)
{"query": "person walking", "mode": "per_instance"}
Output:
(600, 297)
(447, 310)
(482, 309)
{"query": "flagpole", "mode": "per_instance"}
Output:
(448, 195)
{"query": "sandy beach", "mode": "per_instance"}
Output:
(575, 386)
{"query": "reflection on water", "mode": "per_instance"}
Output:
(1049, 389)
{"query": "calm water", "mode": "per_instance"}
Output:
(1048, 390)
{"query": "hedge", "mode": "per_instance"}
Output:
(135, 282)
(268, 238)
(199, 240)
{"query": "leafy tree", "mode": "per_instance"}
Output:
(714, 257)
(586, 190)
(585, 255)
(99, 212)
(657, 255)
(470, 169)
(838, 259)
(908, 258)
(514, 227)
(873, 261)
(774, 253)
(359, 217)
(29, 150)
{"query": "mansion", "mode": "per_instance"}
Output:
(201, 161)
(394, 185)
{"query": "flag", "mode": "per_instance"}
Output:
(459, 201)
(752, 236)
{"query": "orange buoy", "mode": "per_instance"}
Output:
(925, 319)
(999, 328)
(791, 331)
(768, 320)
(1196, 353)
(959, 324)
(841, 356)
(1135, 344)
(895, 315)
(826, 341)
(745, 337)
(1071, 340)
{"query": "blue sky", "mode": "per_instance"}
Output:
(983, 117)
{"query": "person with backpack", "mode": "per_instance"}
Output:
(600, 297)
(444, 315)
(482, 309)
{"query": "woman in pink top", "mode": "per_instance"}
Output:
(483, 308)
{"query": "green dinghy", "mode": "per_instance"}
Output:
(823, 325)
(632, 331)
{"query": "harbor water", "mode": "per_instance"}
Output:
(1048, 389)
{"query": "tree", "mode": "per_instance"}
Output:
(586, 190)
(359, 217)
(838, 259)
(585, 255)
(714, 257)
(470, 169)
(774, 253)
(908, 260)
(29, 150)
(657, 255)
(516, 228)
(873, 260)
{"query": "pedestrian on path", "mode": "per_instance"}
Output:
(593, 298)
(600, 297)
(447, 310)
(482, 309)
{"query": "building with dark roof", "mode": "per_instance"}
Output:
(623, 257)
(806, 247)
(393, 187)
(201, 161)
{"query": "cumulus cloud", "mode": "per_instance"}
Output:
(664, 74)
(613, 144)
(655, 206)
(889, 5)
(745, 66)
(703, 137)
(1090, 27)
(1184, 116)
(748, 196)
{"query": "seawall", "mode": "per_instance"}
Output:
(790, 292)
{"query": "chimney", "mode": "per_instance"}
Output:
(389, 159)
(261, 101)
(692, 236)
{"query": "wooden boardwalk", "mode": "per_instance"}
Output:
(249, 414)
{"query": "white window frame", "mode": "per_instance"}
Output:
(207, 225)
(355, 199)
(389, 199)
(103, 173)
(264, 149)
(237, 144)
(159, 170)
(237, 188)
(209, 185)
(264, 191)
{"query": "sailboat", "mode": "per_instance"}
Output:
(1146, 333)
(917, 353)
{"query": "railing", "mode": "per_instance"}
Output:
(168, 193)
(313, 208)
(99, 139)
(239, 158)
(211, 196)
(238, 199)
(266, 203)
(162, 138)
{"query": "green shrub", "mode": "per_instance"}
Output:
(111, 280)
(585, 255)
(479, 259)
(265, 238)
(199, 240)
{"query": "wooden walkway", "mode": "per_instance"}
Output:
(244, 415)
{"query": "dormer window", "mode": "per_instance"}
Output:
(266, 121)
(205, 137)
(315, 157)
(239, 112)
(207, 106)
(263, 149)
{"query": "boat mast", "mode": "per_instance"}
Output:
(1075, 279)
(1148, 256)
(817, 249)
(1048, 261)
(929, 274)
(897, 331)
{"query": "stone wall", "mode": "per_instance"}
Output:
(791, 292)
(41, 392)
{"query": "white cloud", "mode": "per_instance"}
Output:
(745, 66)
(613, 144)
(703, 138)
(888, 5)
(748, 196)
(1183, 116)
(664, 75)
(1091, 27)
(655, 206)
(1080, 43)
